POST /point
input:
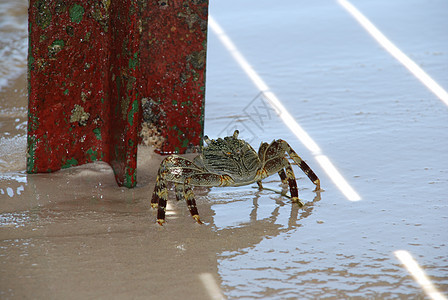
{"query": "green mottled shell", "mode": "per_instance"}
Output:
(231, 156)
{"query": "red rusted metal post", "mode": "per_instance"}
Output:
(94, 64)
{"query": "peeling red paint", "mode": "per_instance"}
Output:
(124, 47)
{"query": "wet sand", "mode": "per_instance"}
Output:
(74, 234)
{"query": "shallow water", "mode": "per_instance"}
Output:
(75, 234)
(384, 131)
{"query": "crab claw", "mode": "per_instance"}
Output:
(196, 217)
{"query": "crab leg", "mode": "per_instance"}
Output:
(302, 164)
(158, 189)
(291, 179)
(173, 169)
(191, 203)
(282, 175)
(203, 179)
(284, 180)
(159, 198)
(286, 175)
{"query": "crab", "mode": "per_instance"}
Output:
(227, 161)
